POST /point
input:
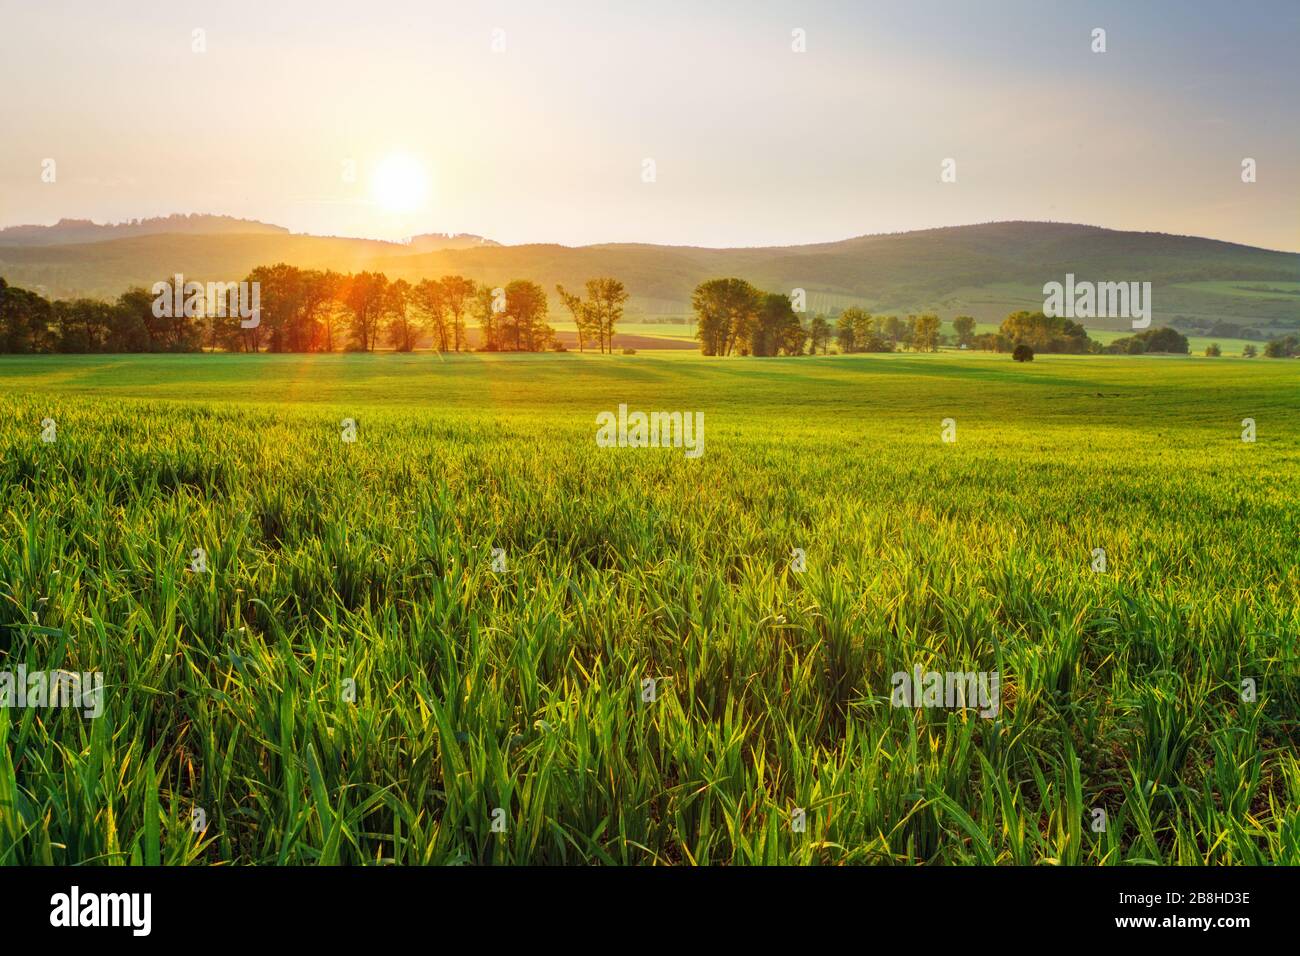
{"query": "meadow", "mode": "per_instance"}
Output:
(347, 679)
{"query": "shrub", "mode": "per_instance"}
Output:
(1022, 353)
(1213, 350)
(629, 351)
(1286, 347)
(1152, 340)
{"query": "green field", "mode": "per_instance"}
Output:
(1196, 343)
(677, 331)
(349, 680)
(657, 330)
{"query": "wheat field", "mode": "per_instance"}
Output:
(647, 671)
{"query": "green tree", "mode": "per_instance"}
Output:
(606, 298)
(819, 334)
(26, 321)
(964, 328)
(1044, 333)
(84, 325)
(281, 298)
(925, 333)
(525, 316)
(583, 318)
(845, 336)
(777, 329)
(1285, 347)
(725, 310)
(896, 330)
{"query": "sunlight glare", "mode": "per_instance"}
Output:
(400, 183)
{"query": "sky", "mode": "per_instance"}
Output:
(693, 123)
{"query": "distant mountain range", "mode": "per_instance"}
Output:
(984, 270)
(83, 230)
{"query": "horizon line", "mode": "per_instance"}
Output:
(489, 243)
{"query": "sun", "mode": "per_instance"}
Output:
(400, 183)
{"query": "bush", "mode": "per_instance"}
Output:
(1213, 350)
(1286, 347)
(1163, 340)
(629, 351)
(1022, 353)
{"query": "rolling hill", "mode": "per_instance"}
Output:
(983, 270)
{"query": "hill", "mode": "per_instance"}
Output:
(983, 270)
(83, 230)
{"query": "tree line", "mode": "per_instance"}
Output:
(311, 310)
(732, 317)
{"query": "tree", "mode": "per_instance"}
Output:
(964, 327)
(606, 298)
(457, 291)
(401, 330)
(1166, 340)
(179, 333)
(129, 332)
(1127, 345)
(1249, 352)
(777, 330)
(1212, 350)
(765, 333)
(909, 332)
(427, 300)
(895, 329)
(845, 336)
(925, 333)
(1044, 333)
(1152, 340)
(525, 315)
(318, 305)
(365, 297)
(483, 304)
(864, 330)
(1022, 353)
(726, 310)
(280, 296)
(993, 342)
(582, 315)
(1285, 347)
(84, 325)
(820, 334)
(859, 331)
(792, 337)
(26, 321)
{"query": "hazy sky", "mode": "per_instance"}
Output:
(753, 143)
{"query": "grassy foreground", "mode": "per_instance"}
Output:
(367, 565)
